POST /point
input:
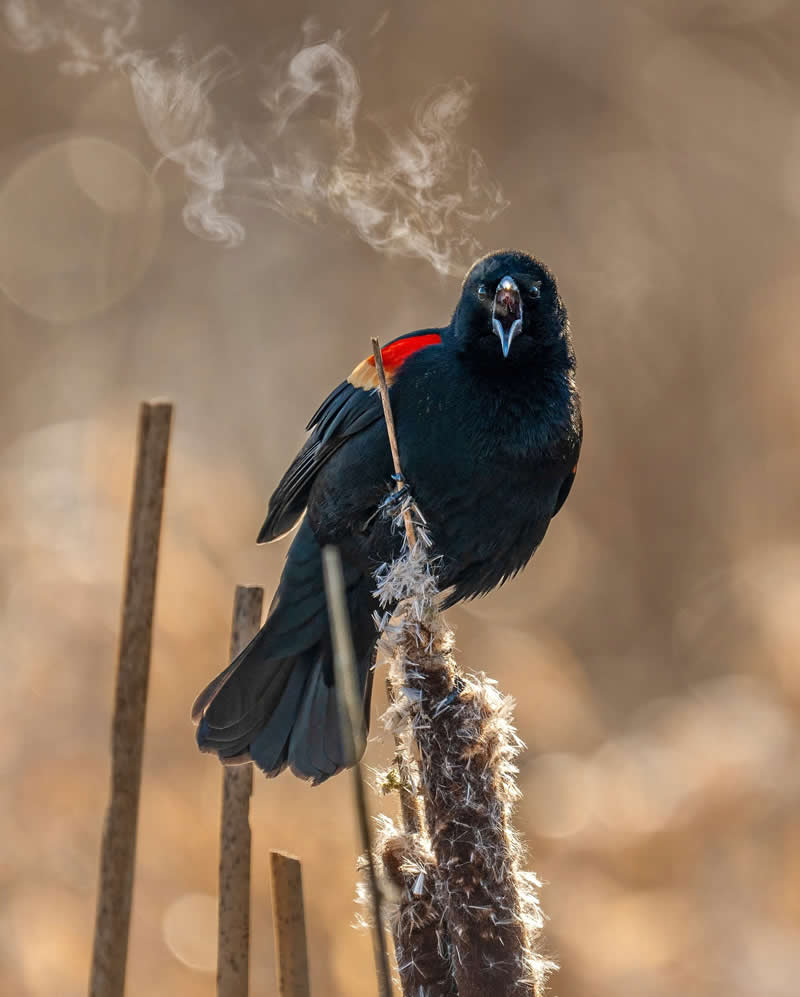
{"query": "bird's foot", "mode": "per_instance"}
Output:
(393, 504)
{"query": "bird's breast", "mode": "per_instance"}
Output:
(484, 465)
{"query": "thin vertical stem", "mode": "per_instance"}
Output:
(118, 850)
(352, 725)
(387, 415)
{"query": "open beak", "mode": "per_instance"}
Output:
(507, 312)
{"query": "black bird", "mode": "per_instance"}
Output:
(489, 430)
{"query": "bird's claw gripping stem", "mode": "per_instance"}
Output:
(392, 505)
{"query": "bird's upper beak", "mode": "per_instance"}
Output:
(507, 312)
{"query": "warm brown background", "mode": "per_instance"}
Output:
(650, 153)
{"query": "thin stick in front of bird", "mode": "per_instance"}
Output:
(353, 741)
(387, 415)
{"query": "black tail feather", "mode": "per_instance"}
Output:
(276, 701)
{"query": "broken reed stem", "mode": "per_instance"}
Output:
(233, 948)
(289, 925)
(118, 850)
(351, 718)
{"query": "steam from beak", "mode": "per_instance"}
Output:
(507, 312)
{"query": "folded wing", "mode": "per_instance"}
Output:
(349, 408)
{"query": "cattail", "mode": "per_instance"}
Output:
(465, 748)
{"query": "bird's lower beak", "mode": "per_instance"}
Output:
(507, 312)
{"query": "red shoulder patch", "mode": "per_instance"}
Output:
(394, 355)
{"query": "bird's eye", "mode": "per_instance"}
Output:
(483, 291)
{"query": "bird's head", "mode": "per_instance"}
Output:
(509, 310)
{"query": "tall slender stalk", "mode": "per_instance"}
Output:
(118, 850)
(353, 740)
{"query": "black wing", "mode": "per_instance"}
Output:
(348, 409)
(345, 412)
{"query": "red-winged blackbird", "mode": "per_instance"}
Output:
(489, 429)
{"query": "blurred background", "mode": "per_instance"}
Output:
(198, 201)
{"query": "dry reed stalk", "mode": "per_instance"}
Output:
(233, 948)
(383, 388)
(353, 741)
(486, 905)
(289, 925)
(118, 850)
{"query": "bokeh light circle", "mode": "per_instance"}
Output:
(190, 930)
(81, 221)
